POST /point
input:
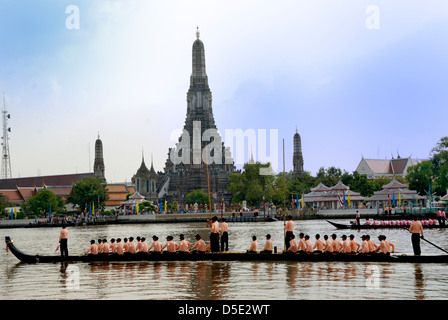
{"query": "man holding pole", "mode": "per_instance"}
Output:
(289, 228)
(224, 235)
(214, 235)
(63, 239)
(415, 229)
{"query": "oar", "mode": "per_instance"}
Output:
(430, 242)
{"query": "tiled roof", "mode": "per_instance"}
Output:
(55, 180)
(113, 202)
(398, 165)
(20, 189)
(13, 195)
(340, 186)
(26, 192)
(117, 196)
(379, 166)
(394, 184)
(117, 188)
(386, 166)
(320, 187)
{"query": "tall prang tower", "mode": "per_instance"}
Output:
(98, 165)
(297, 158)
(200, 149)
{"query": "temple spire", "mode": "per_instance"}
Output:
(98, 166)
(199, 75)
(198, 34)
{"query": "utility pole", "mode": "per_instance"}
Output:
(6, 159)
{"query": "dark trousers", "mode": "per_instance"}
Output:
(288, 234)
(63, 247)
(225, 241)
(214, 242)
(415, 238)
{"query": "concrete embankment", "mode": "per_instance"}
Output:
(201, 217)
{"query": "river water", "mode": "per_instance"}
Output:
(217, 280)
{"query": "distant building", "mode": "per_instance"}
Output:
(297, 159)
(323, 197)
(145, 182)
(186, 167)
(396, 193)
(374, 168)
(18, 190)
(118, 193)
(98, 166)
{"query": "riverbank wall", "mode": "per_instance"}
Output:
(348, 214)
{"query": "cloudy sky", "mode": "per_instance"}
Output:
(355, 77)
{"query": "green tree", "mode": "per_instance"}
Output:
(257, 180)
(328, 177)
(86, 191)
(420, 175)
(364, 186)
(197, 196)
(42, 201)
(432, 172)
(300, 185)
(4, 203)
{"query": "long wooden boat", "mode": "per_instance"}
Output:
(363, 226)
(231, 256)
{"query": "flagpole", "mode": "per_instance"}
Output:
(208, 182)
(264, 209)
(284, 196)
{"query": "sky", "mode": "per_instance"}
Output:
(356, 78)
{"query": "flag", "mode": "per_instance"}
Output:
(15, 212)
(292, 200)
(12, 214)
(388, 198)
(393, 198)
(93, 208)
(399, 199)
(165, 206)
(341, 202)
(49, 214)
(90, 208)
(137, 208)
(348, 199)
(297, 202)
(302, 204)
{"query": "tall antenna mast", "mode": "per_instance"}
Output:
(6, 159)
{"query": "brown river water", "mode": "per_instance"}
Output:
(217, 280)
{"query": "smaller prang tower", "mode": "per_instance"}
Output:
(297, 159)
(98, 166)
